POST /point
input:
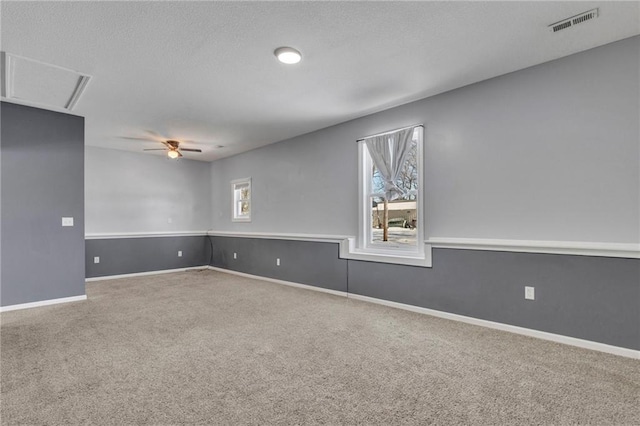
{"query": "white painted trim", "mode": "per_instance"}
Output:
(287, 283)
(349, 250)
(281, 236)
(115, 235)
(235, 217)
(142, 274)
(579, 248)
(364, 249)
(43, 303)
(572, 341)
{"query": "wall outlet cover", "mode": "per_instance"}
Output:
(530, 293)
(96, 259)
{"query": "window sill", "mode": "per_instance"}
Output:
(351, 252)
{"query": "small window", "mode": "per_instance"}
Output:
(241, 195)
(391, 217)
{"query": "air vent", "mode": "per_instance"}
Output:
(574, 20)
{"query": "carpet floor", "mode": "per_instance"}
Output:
(205, 347)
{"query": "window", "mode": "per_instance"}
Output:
(241, 195)
(391, 216)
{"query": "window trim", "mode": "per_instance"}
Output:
(362, 248)
(236, 184)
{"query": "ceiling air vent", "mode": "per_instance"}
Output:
(574, 20)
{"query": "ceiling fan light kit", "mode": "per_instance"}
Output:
(172, 146)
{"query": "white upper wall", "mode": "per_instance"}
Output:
(551, 152)
(135, 192)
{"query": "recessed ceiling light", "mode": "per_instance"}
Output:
(288, 55)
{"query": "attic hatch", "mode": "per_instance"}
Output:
(573, 21)
(33, 82)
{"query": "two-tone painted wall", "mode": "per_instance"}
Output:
(531, 179)
(144, 212)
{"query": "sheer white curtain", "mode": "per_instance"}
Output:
(389, 152)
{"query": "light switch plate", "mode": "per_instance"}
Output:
(67, 221)
(530, 293)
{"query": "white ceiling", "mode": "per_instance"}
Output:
(205, 71)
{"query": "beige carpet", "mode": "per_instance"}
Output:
(212, 348)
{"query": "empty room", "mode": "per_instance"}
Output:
(319, 212)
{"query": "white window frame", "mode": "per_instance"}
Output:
(236, 198)
(364, 249)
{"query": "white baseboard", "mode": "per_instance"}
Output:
(142, 274)
(586, 344)
(288, 283)
(43, 303)
(558, 338)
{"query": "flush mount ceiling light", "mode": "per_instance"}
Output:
(288, 55)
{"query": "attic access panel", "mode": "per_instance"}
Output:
(34, 82)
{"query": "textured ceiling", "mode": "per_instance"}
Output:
(205, 71)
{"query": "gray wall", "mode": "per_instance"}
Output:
(132, 255)
(137, 192)
(591, 298)
(302, 262)
(547, 153)
(42, 181)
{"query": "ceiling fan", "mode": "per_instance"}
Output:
(172, 146)
(173, 149)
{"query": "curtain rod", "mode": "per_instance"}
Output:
(389, 132)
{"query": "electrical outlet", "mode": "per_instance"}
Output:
(179, 253)
(67, 221)
(235, 255)
(96, 259)
(278, 262)
(530, 293)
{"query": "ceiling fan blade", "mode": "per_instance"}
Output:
(137, 139)
(190, 150)
(179, 154)
(154, 149)
(156, 135)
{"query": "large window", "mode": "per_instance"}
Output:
(391, 193)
